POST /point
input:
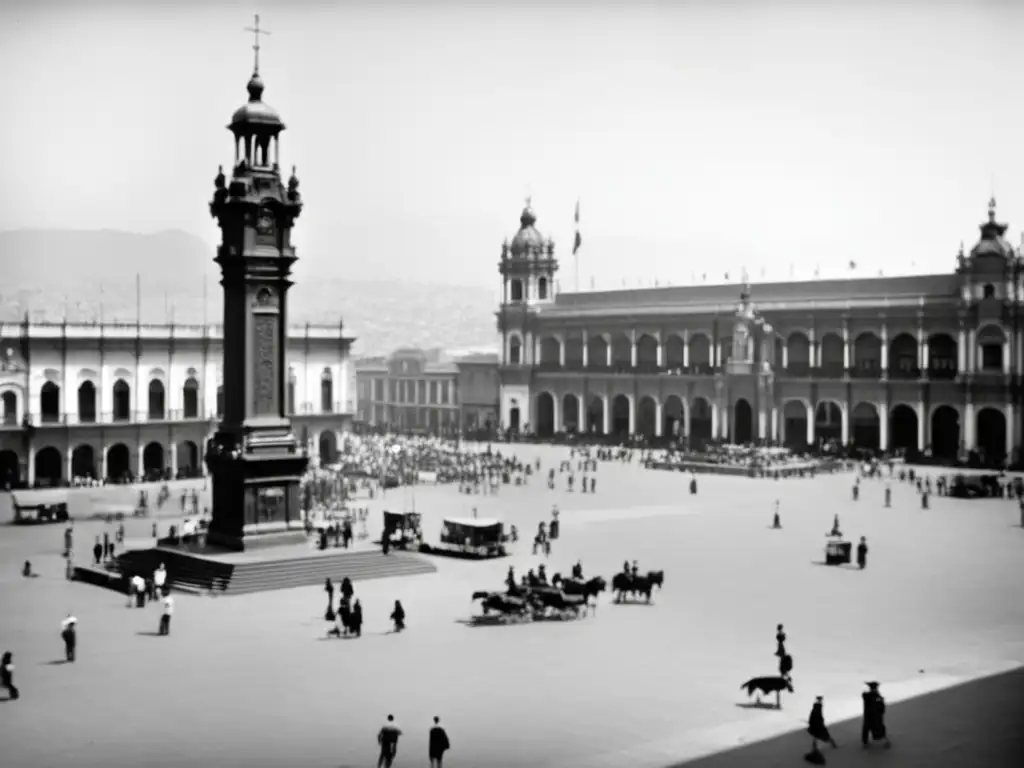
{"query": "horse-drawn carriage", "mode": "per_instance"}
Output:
(838, 552)
(470, 537)
(403, 529)
(40, 507)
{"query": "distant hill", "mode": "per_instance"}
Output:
(53, 273)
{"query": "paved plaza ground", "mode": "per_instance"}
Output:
(253, 681)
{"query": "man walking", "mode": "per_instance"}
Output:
(388, 740)
(165, 618)
(438, 744)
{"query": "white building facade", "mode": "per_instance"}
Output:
(118, 401)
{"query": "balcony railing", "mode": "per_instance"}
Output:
(904, 374)
(866, 371)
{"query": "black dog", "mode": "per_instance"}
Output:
(768, 685)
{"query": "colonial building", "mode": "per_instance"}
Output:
(110, 401)
(478, 391)
(412, 390)
(928, 363)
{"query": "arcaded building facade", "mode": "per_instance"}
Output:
(932, 363)
(112, 400)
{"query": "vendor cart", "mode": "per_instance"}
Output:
(403, 529)
(838, 552)
(470, 537)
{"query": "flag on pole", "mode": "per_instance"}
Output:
(817, 270)
(853, 265)
(579, 240)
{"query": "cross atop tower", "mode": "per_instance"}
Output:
(256, 47)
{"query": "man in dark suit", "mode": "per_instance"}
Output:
(439, 744)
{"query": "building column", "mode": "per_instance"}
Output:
(972, 352)
(717, 362)
(961, 352)
(632, 409)
(723, 420)
(608, 353)
(762, 420)
(561, 353)
(67, 473)
(812, 349)
(556, 412)
(1020, 353)
(102, 468)
(173, 459)
(527, 354)
(845, 424)
(686, 349)
(1008, 354)
(632, 351)
(885, 350)
(921, 435)
(969, 427)
(714, 421)
(139, 461)
(810, 424)
(581, 424)
(846, 352)
(785, 356)
(607, 411)
(659, 409)
(1011, 432)
(925, 355)
(776, 426)
(686, 419)
(586, 352)
(883, 427)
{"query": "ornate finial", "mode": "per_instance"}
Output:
(219, 181)
(256, 47)
(992, 209)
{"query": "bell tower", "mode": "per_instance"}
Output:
(254, 456)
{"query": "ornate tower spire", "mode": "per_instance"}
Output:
(256, 46)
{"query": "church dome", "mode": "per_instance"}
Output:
(993, 241)
(255, 112)
(527, 238)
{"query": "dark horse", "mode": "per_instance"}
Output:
(556, 600)
(590, 588)
(624, 585)
(506, 605)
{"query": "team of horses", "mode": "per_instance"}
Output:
(565, 598)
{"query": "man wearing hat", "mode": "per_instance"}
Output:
(874, 716)
(819, 732)
(69, 634)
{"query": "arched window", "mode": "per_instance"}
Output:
(190, 398)
(989, 291)
(122, 401)
(326, 391)
(515, 351)
(49, 402)
(516, 290)
(10, 409)
(87, 403)
(542, 288)
(156, 400)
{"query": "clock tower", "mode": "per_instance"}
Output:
(254, 457)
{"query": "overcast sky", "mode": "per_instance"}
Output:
(699, 137)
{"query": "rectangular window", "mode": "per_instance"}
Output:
(421, 392)
(444, 393)
(992, 357)
(393, 393)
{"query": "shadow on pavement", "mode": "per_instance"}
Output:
(968, 726)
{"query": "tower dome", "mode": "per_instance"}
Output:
(527, 239)
(993, 241)
(255, 112)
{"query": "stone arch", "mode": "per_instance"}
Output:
(190, 398)
(574, 351)
(9, 407)
(903, 362)
(945, 432)
(49, 467)
(52, 375)
(828, 421)
(157, 400)
(157, 373)
(570, 413)
(620, 415)
(10, 469)
(991, 431)
(832, 355)
(188, 459)
(672, 417)
(742, 422)
(597, 352)
(622, 351)
(647, 352)
(119, 462)
(943, 356)
(700, 351)
(122, 400)
(515, 417)
(647, 417)
(867, 354)
(87, 402)
(83, 462)
(326, 391)
(550, 350)
(49, 403)
(673, 352)
(866, 427)
(794, 423)
(122, 373)
(87, 374)
(595, 415)
(798, 350)
(327, 445)
(545, 426)
(153, 462)
(515, 350)
(903, 427)
(700, 419)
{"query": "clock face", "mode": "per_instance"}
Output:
(265, 222)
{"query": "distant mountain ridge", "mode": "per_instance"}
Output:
(86, 275)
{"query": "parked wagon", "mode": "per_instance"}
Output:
(470, 537)
(838, 552)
